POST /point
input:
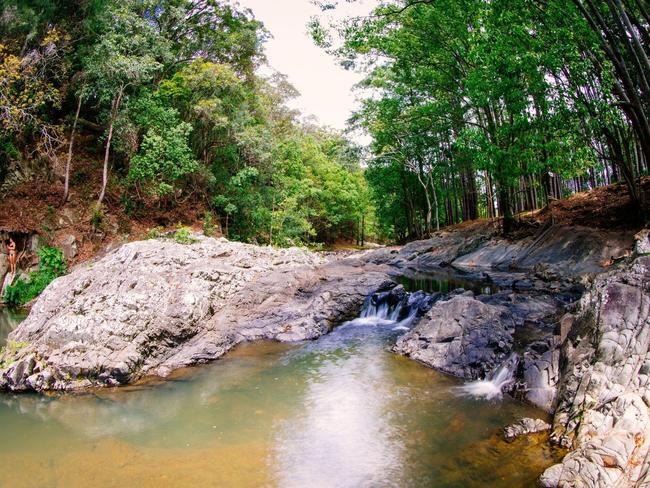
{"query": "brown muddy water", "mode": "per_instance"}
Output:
(341, 411)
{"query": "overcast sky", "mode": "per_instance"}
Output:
(325, 88)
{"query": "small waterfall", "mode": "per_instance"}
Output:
(500, 378)
(394, 307)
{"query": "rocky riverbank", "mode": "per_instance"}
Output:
(151, 307)
(590, 366)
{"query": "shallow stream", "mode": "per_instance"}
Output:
(342, 411)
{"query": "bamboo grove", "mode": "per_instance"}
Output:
(485, 108)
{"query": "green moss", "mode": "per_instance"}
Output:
(9, 352)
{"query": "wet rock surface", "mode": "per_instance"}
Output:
(461, 336)
(469, 336)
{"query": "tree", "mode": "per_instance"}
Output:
(127, 55)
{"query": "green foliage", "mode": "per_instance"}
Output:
(155, 233)
(483, 108)
(185, 118)
(164, 160)
(209, 227)
(183, 235)
(51, 265)
(97, 219)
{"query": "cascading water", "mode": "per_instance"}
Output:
(340, 411)
(499, 379)
(397, 310)
(394, 308)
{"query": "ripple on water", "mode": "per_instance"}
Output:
(339, 411)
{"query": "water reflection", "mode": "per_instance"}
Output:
(343, 436)
(444, 283)
(336, 412)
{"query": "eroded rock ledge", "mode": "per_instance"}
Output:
(153, 306)
(603, 414)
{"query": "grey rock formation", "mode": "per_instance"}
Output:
(151, 306)
(283, 306)
(556, 253)
(69, 246)
(4, 265)
(461, 336)
(442, 249)
(525, 426)
(602, 414)
(541, 373)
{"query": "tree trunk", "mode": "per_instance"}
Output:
(435, 201)
(114, 110)
(66, 186)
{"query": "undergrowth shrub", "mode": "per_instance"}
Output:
(51, 265)
(183, 235)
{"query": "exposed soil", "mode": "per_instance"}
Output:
(35, 207)
(607, 207)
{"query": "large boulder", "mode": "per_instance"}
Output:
(150, 306)
(461, 336)
(300, 305)
(602, 413)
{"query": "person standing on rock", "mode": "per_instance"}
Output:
(11, 255)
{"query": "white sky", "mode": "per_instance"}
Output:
(325, 87)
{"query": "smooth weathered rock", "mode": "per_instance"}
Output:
(285, 307)
(151, 306)
(602, 414)
(541, 373)
(525, 426)
(443, 248)
(461, 336)
(556, 253)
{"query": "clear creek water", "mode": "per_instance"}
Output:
(342, 411)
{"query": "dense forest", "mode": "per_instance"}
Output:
(167, 95)
(477, 109)
(491, 108)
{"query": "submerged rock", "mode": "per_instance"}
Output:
(525, 426)
(151, 306)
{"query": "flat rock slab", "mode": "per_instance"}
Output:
(525, 426)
